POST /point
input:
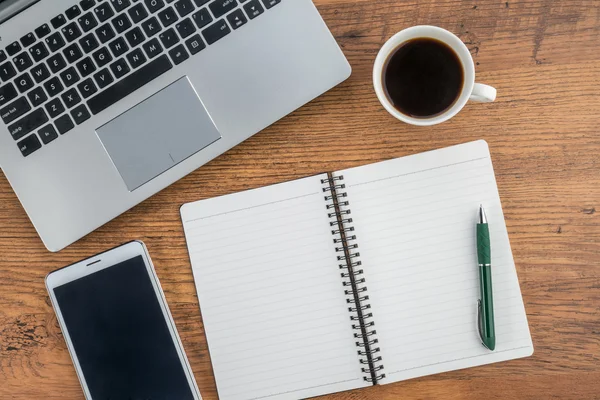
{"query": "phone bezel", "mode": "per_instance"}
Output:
(102, 261)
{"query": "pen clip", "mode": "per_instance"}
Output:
(479, 324)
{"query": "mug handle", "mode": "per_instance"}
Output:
(483, 93)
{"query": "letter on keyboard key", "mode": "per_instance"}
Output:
(130, 84)
(14, 110)
(27, 124)
(154, 5)
(216, 31)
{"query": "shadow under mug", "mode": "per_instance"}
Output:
(470, 91)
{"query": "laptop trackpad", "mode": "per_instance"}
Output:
(158, 133)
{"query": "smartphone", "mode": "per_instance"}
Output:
(118, 328)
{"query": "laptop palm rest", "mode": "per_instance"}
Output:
(158, 133)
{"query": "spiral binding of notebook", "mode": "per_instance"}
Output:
(354, 283)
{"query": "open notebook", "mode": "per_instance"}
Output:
(358, 277)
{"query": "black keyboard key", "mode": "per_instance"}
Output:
(28, 123)
(195, 44)
(87, 4)
(103, 78)
(179, 54)
(121, 23)
(72, 53)
(135, 36)
(87, 22)
(200, 3)
(151, 26)
(71, 31)
(3, 56)
(58, 21)
(39, 52)
(42, 31)
(137, 13)
(216, 31)
(48, 133)
(154, 5)
(271, 3)
(152, 48)
(29, 145)
(184, 7)
(28, 39)
(40, 73)
(24, 82)
(53, 86)
(130, 84)
(73, 12)
(80, 114)
(56, 63)
(167, 16)
(102, 57)
(89, 43)
(13, 48)
(7, 93)
(71, 98)
(55, 41)
(105, 33)
(23, 61)
(7, 71)
(169, 38)
(87, 88)
(118, 47)
(254, 9)
(237, 19)
(69, 76)
(37, 96)
(64, 124)
(103, 11)
(120, 5)
(86, 66)
(54, 108)
(136, 58)
(14, 110)
(222, 7)
(185, 28)
(120, 68)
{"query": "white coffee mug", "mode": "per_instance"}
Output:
(470, 90)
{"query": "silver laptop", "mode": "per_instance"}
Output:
(106, 102)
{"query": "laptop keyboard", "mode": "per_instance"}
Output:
(98, 52)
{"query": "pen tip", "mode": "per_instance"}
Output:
(482, 216)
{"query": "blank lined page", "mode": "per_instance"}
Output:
(415, 219)
(271, 295)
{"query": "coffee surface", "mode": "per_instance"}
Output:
(423, 77)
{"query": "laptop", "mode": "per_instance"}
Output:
(103, 103)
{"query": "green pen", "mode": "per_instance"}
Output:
(486, 302)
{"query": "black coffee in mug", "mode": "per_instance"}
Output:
(423, 77)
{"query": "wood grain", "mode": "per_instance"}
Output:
(543, 56)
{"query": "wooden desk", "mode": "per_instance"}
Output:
(544, 58)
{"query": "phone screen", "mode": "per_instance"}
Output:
(120, 336)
